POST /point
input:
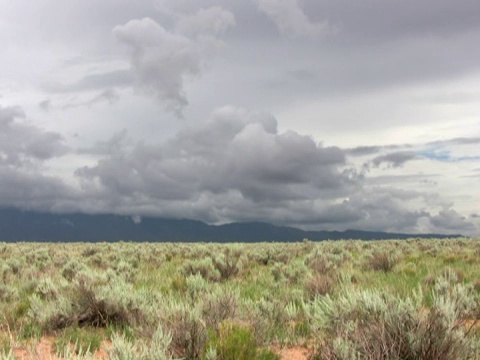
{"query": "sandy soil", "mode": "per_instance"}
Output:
(292, 353)
(44, 350)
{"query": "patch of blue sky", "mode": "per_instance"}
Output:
(435, 154)
(444, 155)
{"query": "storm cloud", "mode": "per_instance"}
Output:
(234, 152)
(360, 115)
(237, 165)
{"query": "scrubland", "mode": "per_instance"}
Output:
(345, 300)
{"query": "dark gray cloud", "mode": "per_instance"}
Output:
(449, 220)
(379, 20)
(440, 151)
(364, 150)
(22, 143)
(380, 207)
(236, 151)
(395, 159)
(30, 189)
(161, 59)
(237, 166)
(373, 149)
(23, 149)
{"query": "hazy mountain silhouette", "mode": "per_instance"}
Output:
(17, 225)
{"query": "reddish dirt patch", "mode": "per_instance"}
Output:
(102, 353)
(293, 353)
(44, 350)
(41, 350)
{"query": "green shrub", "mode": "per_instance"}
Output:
(30, 331)
(233, 342)
(8, 293)
(6, 346)
(51, 315)
(293, 272)
(72, 268)
(15, 265)
(47, 289)
(203, 267)
(7, 355)
(267, 317)
(156, 350)
(82, 341)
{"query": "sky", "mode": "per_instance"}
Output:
(320, 114)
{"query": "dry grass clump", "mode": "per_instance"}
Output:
(374, 326)
(90, 300)
(320, 284)
(383, 261)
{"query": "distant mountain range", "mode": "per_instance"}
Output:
(17, 225)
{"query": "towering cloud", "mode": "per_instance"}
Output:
(162, 60)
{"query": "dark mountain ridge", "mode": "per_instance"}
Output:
(18, 225)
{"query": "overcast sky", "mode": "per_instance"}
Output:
(320, 114)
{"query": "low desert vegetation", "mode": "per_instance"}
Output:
(343, 300)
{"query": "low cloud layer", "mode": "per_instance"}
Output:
(238, 166)
(235, 166)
